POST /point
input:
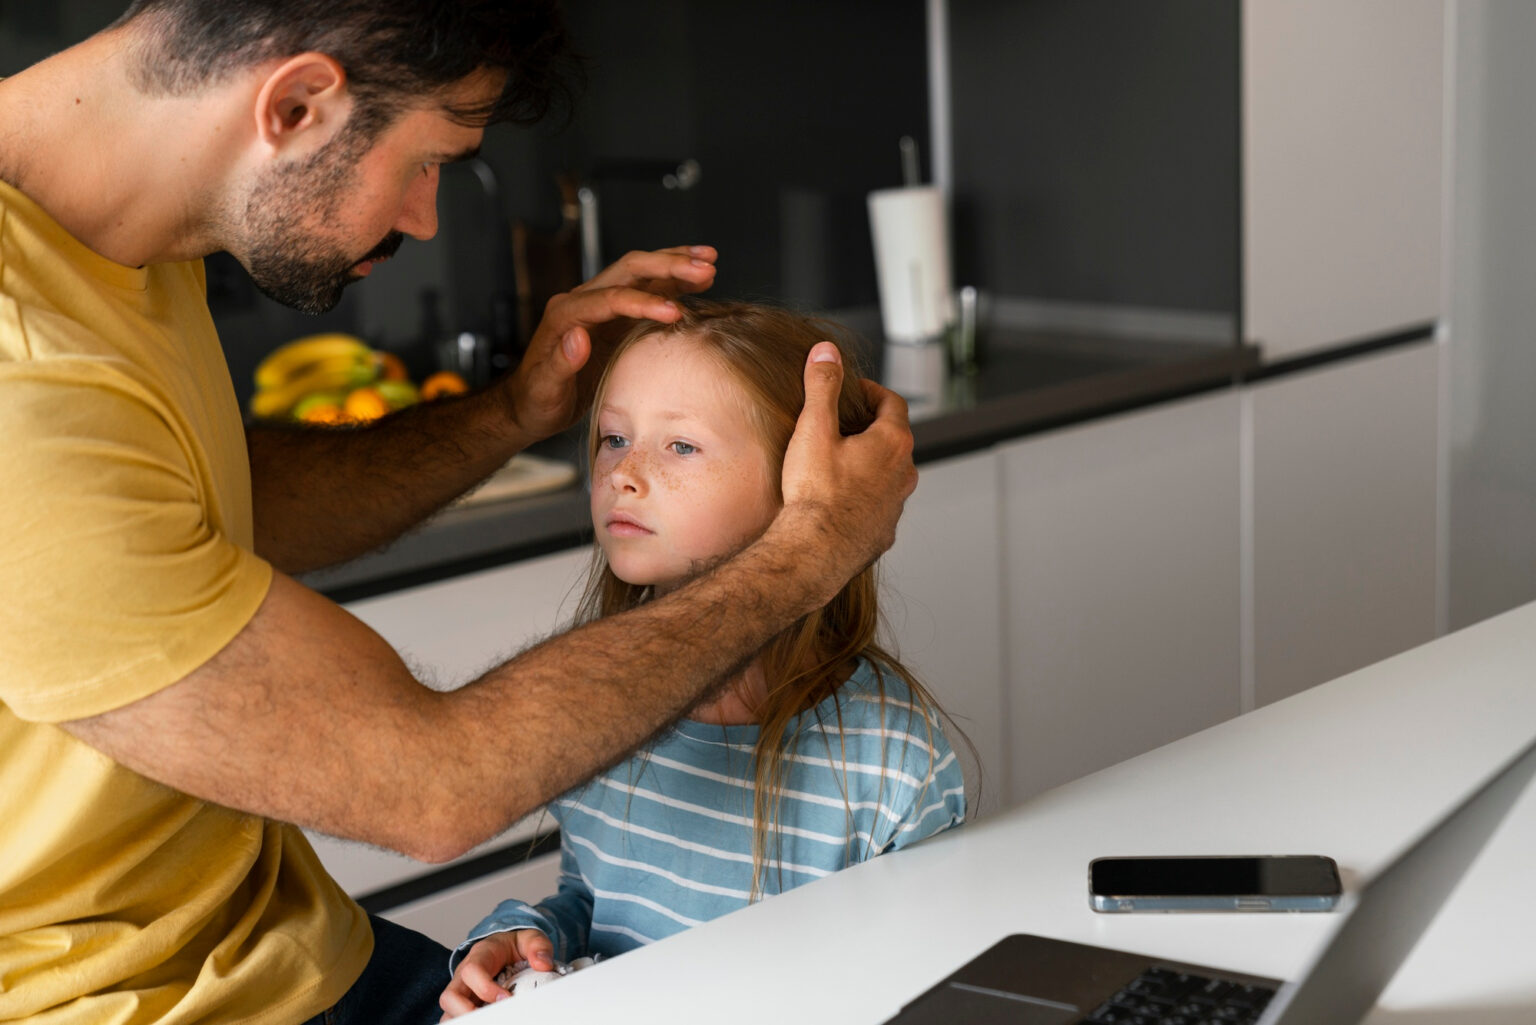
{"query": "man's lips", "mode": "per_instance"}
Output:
(381, 252)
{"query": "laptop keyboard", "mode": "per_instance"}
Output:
(1161, 996)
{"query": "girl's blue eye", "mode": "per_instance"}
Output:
(613, 441)
(682, 448)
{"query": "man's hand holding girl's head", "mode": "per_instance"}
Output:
(551, 387)
(849, 489)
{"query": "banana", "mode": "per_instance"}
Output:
(289, 360)
(333, 374)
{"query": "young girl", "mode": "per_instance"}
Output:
(822, 753)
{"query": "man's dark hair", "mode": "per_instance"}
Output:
(395, 52)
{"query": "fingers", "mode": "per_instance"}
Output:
(474, 981)
(671, 271)
(888, 406)
(480, 981)
(456, 1000)
(552, 384)
(894, 423)
(591, 306)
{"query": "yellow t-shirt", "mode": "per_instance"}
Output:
(126, 562)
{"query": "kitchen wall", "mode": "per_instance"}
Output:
(1095, 156)
(792, 111)
(1491, 349)
(1096, 151)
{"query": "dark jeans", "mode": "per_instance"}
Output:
(401, 984)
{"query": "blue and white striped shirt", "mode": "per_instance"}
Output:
(664, 841)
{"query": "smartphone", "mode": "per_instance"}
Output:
(1272, 882)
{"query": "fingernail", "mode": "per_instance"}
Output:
(699, 250)
(702, 263)
(827, 354)
(568, 346)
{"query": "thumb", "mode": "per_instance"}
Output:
(537, 950)
(575, 348)
(823, 384)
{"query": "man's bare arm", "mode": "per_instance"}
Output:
(308, 716)
(323, 496)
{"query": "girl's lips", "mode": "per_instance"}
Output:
(620, 525)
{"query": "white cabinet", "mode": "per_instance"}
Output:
(452, 631)
(1345, 513)
(449, 915)
(1343, 105)
(1121, 588)
(940, 588)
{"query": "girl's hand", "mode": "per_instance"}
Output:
(474, 981)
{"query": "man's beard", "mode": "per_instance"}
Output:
(287, 259)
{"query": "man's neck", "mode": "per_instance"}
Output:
(131, 176)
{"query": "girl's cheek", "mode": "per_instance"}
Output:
(602, 467)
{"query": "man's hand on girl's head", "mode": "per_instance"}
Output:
(551, 387)
(854, 487)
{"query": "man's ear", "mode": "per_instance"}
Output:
(302, 102)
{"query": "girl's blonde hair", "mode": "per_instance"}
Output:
(764, 349)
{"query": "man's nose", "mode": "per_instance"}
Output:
(418, 213)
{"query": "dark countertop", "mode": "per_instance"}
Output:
(1029, 382)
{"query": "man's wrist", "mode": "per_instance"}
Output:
(801, 549)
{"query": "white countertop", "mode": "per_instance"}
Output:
(1356, 769)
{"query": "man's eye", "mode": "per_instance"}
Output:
(682, 448)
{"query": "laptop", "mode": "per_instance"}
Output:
(1032, 980)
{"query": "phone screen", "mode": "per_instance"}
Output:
(1270, 876)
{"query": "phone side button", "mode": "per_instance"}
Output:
(1252, 904)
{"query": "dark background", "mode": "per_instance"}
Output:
(1096, 156)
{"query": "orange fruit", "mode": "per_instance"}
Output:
(364, 404)
(444, 382)
(327, 414)
(391, 367)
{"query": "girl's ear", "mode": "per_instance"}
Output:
(301, 103)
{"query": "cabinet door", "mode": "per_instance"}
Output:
(1121, 545)
(1343, 106)
(1345, 517)
(453, 630)
(448, 916)
(941, 590)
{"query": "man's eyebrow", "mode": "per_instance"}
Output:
(454, 158)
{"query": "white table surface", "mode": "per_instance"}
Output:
(1355, 769)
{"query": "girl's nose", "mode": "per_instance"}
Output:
(629, 474)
